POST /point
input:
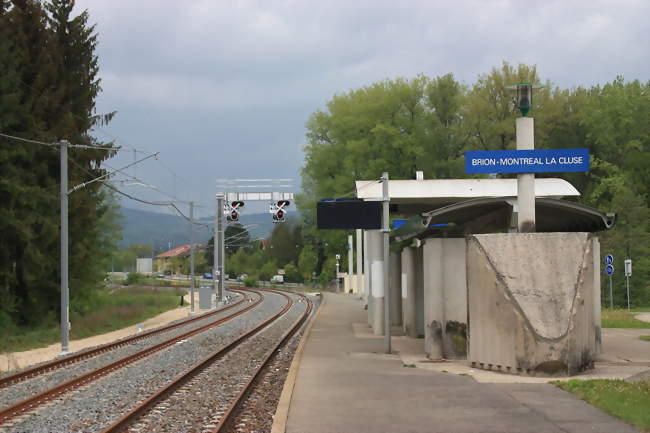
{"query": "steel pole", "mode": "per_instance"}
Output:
(215, 245)
(611, 296)
(351, 284)
(338, 287)
(222, 254)
(627, 283)
(65, 295)
(359, 277)
(386, 233)
(192, 278)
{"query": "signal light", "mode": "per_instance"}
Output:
(278, 210)
(232, 210)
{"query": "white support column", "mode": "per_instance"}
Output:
(408, 292)
(525, 182)
(396, 289)
(376, 277)
(358, 283)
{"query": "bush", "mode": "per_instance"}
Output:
(251, 281)
(134, 278)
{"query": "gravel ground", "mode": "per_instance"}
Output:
(95, 406)
(33, 386)
(256, 412)
(207, 396)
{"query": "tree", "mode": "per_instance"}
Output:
(236, 236)
(49, 84)
(307, 262)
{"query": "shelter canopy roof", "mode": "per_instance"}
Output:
(415, 196)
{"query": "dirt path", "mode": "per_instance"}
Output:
(644, 317)
(16, 360)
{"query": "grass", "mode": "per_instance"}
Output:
(620, 318)
(644, 337)
(628, 401)
(107, 311)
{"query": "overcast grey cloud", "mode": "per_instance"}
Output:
(224, 88)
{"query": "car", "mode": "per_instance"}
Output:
(161, 276)
(207, 276)
(277, 279)
(242, 277)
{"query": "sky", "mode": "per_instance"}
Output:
(223, 89)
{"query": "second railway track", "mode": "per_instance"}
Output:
(53, 379)
(95, 406)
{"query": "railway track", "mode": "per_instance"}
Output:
(26, 374)
(39, 399)
(176, 394)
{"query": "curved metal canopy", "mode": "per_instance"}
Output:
(491, 215)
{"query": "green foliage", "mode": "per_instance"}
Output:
(133, 278)
(628, 401)
(621, 319)
(292, 274)
(236, 237)
(251, 281)
(49, 83)
(403, 125)
(268, 270)
(307, 262)
(107, 311)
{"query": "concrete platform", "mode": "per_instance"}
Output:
(345, 383)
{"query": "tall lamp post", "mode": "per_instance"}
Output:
(525, 135)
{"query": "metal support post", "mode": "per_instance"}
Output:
(222, 256)
(351, 284)
(526, 181)
(218, 249)
(627, 284)
(386, 233)
(65, 295)
(192, 277)
(359, 278)
(611, 296)
(215, 244)
(338, 283)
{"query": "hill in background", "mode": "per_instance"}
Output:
(164, 230)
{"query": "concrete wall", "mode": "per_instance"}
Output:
(376, 286)
(412, 292)
(531, 302)
(408, 292)
(395, 289)
(445, 298)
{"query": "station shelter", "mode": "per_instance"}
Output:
(472, 288)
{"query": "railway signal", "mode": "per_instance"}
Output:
(278, 210)
(232, 210)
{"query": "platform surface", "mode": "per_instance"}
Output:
(345, 384)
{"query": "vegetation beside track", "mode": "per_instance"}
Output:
(109, 310)
(621, 318)
(628, 401)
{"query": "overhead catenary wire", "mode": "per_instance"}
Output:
(170, 204)
(70, 145)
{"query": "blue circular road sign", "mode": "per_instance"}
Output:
(609, 269)
(609, 259)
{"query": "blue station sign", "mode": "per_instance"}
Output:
(527, 161)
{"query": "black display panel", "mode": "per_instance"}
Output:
(349, 214)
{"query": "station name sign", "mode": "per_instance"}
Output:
(527, 161)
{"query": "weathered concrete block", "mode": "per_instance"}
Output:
(395, 289)
(445, 298)
(531, 302)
